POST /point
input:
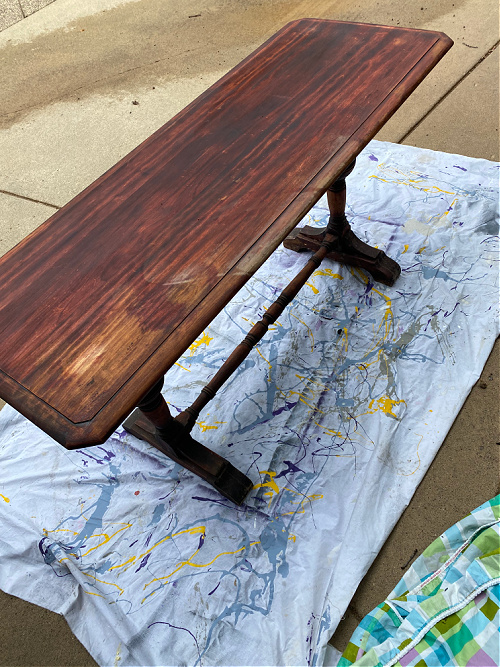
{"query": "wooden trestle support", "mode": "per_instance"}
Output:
(152, 420)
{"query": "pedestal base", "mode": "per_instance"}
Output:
(351, 250)
(189, 453)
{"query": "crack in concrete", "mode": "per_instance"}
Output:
(83, 86)
(21, 8)
(449, 91)
(35, 201)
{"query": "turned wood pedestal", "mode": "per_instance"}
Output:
(102, 299)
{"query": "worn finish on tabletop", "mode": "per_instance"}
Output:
(104, 297)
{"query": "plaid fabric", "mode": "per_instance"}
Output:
(445, 610)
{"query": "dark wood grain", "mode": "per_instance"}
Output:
(103, 298)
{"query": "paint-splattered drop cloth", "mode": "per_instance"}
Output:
(336, 416)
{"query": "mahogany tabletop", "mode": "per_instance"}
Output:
(100, 300)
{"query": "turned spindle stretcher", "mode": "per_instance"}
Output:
(102, 299)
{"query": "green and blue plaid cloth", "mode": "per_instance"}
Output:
(445, 610)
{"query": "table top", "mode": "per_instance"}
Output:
(106, 295)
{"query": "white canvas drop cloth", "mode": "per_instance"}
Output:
(335, 417)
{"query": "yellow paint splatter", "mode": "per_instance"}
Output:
(108, 583)
(96, 594)
(204, 339)
(303, 400)
(272, 327)
(106, 539)
(7, 500)
(404, 179)
(327, 272)
(323, 386)
(189, 563)
(208, 427)
(386, 325)
(356, 271)
(274, 489)
(385, 404)
(405, 248)
(407, 474)
(328, 431)
(195, 530)
(270, 483)
(314, 289)
(323, 272)
(302, 501)
(183, 367)
(59, 530)
(346, 338)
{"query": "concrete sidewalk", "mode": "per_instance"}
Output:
(84, 83)
(12, 11)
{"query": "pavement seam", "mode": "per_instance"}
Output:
(74, 91)
(448, 92)
(35, 201)
(21, 8)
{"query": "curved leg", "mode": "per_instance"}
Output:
(348, 248)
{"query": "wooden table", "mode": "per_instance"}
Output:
(103, 298)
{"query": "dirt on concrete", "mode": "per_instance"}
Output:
(122, 47)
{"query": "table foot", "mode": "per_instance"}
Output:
(350, 250)
(174, 441)
(347, 248)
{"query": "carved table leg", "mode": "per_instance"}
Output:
(348, 248)
(152, 422)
